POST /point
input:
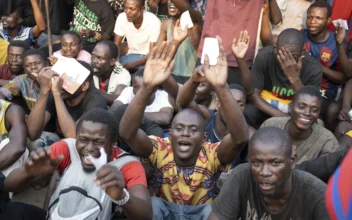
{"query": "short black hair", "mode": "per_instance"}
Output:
(321, 4)
(273, 136)
(73, 33)
(88, 67)
(237, 87)
(292, 37)
(19, 43)
(31, 52)
(99, 115)
(310, 90)
(114, 50)
(140, 2)
(18, 7)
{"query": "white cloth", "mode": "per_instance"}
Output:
(138, 40)
(161, 99)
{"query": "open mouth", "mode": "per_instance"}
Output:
(172, 8)
(184, 146)
(86, 160)
(266, 186)
(305, 121)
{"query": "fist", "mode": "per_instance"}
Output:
(111, 180)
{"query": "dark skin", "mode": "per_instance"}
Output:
(305, 110)
(15, 62)
(271, 167)
(345, 62)
(39, 117)
(70, 47)
(175, 9)
(14, 20)
(90, 138)
(134, 12)
(187, 132)
(103, 65)
(317, 22)
(16, 126)
(163, 117)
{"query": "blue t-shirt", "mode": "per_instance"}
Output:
(326, 53)
(25, 34)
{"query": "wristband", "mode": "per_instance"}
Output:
(123, 201)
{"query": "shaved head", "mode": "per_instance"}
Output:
(191, 113)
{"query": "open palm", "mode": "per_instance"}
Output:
(216, 75)
(239, 49)
(179, 34)
(159, 65)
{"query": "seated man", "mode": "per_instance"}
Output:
(267, 187)
(26, 85)
(64, 108)
(158, 108)
(14, 66)
(13, 30)
(186, 167)
(278, 71)
(309, 139)
(322, 45)
(85, 191)
(141, 29)
(186, 55)
(109, 75)
(13, 136)
(71, 46)
(3, 51)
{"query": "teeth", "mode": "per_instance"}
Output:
(305, 120)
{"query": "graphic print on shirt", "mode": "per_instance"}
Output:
(252, 214)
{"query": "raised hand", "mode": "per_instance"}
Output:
(45, 78)
(40, 163)
(344, 115)
(239, 49)
(178, 34)
(340, 34)
(216, 75)
(159, 64)
(111, 180)
(52, 60)
(198, 74)
(85, 33)
(56, 85)
(289, 65)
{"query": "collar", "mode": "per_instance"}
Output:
(6, 32)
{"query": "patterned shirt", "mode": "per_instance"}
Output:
(3, 131)
(23, 86)
(25, 34)
(186, 186)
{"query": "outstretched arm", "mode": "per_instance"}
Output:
(346, 64)
(157, 70)
(39, 19)
(233, 143)
(275, 12)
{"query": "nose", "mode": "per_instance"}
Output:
(185, 132)
(90, 147)
(265, 171)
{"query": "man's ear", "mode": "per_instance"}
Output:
(205, 137)
(19, 20)
(85, 86)
(113, 61)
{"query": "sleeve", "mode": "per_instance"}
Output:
(258, 72)
(159, 149)
(50, 104)
(227, 204)
(134, 174)
(155, 30)
(125, 78)
(5, 73)
(119, 25)
(126, 95)
(61, 148)
(330, 146)
(212, 155)
(106, 19)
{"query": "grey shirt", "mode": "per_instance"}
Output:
(240, 198)
(319, 143)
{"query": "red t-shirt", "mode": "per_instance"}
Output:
(133, 172)
(341, 9)
(5, 73)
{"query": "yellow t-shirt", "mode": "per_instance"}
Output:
(3, 131)
(3, 51)
(186, 186)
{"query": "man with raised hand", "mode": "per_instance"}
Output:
(186, 167)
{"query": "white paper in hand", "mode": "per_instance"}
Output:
(343, 23)
(101, 161)
(186, 20)
(211, 48)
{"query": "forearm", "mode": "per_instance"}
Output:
(38, 16)
(264, 106)
(187, 93)
(144, 208)
(4, 82)
(335, 76)
(345, 63)
(67, 125)
(265, 32)
(170, 86)
(35, 122)
(161, 118)
(110, 98)
(346, 98)
(131, 120)
(18, 180)
(246, 76)
(11, 153)
(296, 84)
(275, 12)
(235, 121)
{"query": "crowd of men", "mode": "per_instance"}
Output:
(158, 130)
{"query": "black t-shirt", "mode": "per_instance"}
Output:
(92, 99)
(268, 75)
(240, 197)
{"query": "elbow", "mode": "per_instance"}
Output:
(277, 21)
(42, 28)
(165, 120)
(33, 135)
